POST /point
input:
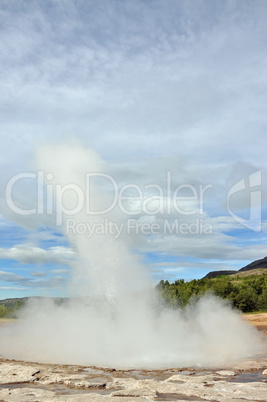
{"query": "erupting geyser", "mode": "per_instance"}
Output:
(114, 317)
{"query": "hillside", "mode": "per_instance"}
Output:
(257, 271)
(255, 265)
(215, 274)
(11, 303)
(258, 267)
(245, 289)
(9, 307)
(247, 293)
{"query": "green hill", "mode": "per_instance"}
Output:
(246, 292)
(253, 266)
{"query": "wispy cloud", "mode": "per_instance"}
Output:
(38, 274)
(158, 75)
(178, 86)
(10, 277)
(35, 255)
(27, 282)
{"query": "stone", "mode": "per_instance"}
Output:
(26, 394)
(17, 373)
(123, 385)
(225, 372)
(135, 393)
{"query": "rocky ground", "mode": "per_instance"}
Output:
(241, 381)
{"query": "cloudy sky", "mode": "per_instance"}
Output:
(159, 89)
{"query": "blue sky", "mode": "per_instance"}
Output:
(153, 87)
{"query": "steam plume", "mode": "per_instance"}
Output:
(114, 318)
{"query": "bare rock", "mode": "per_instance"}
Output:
(251, 365)
(61, 378)
(13, 373)
(119, 383)
(92, 397)
(135, 393)
(26, 394)
(225, 373)
(85, 384)
(213, 389)
(182, 378)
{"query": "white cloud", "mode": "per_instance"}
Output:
(54, 282)
(11, 277)
(48, 283)
(38, 274)
(11, 288)
(159, 77)
(179, 86)
(60, 271)
(35, 255)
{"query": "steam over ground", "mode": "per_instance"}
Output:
(114, 317)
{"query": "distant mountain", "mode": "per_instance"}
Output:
(11, 303)
(257, 271)
(259, 265)
(255, 265)
(214, 274)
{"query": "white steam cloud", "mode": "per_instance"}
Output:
(114, 318)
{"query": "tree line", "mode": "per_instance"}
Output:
(247, 293)
(9, 310)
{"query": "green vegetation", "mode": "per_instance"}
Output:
(246, 293)
(9, 309)
(3, 311)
